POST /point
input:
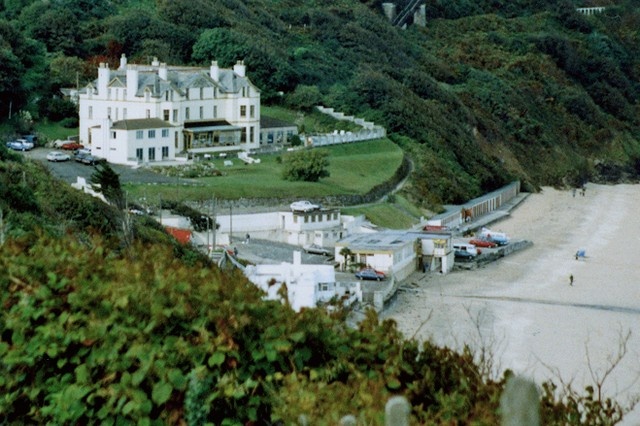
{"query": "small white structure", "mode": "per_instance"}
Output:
(82, 185)
(392, 252)
(321, 227)
(306, 285)
(435, 251)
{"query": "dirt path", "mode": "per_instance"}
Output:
(523, 306)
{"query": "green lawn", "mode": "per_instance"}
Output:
(355, 169)
(53, 131)
(386, 215)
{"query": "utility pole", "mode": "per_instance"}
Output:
(215, 221)
(1, 228)
(230, 222)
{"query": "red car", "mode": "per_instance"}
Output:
(479, 242)
(72, 146)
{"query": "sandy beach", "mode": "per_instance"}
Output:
(523, 307)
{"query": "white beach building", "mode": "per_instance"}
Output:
(306, 285)
(398, 253)
(147, 113)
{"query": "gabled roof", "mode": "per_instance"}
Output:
(140, 124)
(117, 82)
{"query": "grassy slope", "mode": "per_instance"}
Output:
(355, 169)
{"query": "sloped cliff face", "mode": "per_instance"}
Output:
(547, 95)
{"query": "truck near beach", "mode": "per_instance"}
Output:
(500, 238)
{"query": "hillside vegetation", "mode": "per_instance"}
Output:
(114, 324)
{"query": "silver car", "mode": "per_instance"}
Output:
(316, 249)
(303, 206)
(56, 156)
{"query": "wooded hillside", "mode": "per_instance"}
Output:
(487, 92)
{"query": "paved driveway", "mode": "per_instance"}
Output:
(271, 252)
(70, 170)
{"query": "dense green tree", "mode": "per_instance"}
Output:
(23, 69)
(56, 27)
(67, 71)
(196, 14)
(133, 28)
(306, 165)
(224, 45)
(304, 98)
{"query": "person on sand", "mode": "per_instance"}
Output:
(571, 279)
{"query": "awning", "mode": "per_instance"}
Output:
(226, 128)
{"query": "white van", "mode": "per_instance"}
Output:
(469, 248)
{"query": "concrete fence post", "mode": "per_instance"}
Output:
(349, 420)
(397, 412)
(520, 403)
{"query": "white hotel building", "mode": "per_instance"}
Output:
(145, 113)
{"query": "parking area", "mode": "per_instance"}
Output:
(69, 171)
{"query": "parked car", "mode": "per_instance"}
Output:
(91, 160)
(31, 138)
(20, 145)
(463, 255)
(482, 242)
(500, 238)
(72, 146)
(79, 156)
(370, 274)
(469, 248)
(56, 156)
(303, 206)
(316, 249)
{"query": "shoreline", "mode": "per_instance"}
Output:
(523, 308)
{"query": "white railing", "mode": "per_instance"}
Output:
(369, 131)
(591, 10)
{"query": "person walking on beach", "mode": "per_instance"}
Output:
(571, 280)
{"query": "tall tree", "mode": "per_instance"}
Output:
(106, 181)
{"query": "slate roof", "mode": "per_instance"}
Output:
(377, 241)
(141, 123)
(179, 79)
